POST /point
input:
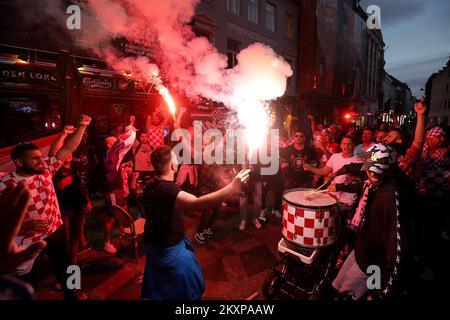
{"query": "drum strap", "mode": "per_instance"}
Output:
(361, 210)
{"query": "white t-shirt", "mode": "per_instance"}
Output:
(336, 162)
(360, 150)
(142, 157)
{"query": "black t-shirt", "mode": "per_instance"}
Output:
(164, 225)
(71, 189)
(296, 159)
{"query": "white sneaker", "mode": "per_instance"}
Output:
(257, 224)
(109, 247)
(242, 225)
(200, 238)
(262, 215)
(277, 214)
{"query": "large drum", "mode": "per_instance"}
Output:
(309, 221)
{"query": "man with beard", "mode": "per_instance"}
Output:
(42, 219)
(155, 125)
(380, 240)
(404, 175)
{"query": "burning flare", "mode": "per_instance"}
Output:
(253, 115)
(164, 92)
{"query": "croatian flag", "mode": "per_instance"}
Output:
(118, 151)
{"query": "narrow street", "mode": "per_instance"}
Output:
(234, 263)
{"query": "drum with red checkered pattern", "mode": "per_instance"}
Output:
(309, 221)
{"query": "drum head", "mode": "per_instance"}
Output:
(298, 197)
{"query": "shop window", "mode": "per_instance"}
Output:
(28, 118)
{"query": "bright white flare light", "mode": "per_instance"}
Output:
(253, 115)
(164, 92)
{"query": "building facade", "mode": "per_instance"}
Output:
(232, 25)
(440, 97)
(397, 100)
(340, 62)
(373, 87)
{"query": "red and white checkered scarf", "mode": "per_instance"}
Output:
(438, 154)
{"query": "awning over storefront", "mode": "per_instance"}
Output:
(18, 75)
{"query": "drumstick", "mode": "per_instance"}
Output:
(317, 192)
(327, 181)
(317, 189)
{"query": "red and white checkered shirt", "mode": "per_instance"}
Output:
(287, 143)
(43, 201)
(155, 135)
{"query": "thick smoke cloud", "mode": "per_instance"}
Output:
(188, 63)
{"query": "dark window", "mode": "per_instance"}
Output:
(234, 6)
(203, 33)
(270, 16)
(289, 26)
(289, 80)
(233, 48)
(253, 11)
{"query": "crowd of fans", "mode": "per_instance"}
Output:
(310, 157)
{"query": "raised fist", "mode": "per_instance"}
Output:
(419, 107)
(68, 130)
(85, 120)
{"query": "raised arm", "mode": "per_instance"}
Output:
(419, 136)
(59, 142)
(178, 119)
(312, 121)
(325, 171)
(327, 152)
(166, 117)
(395, 121)
(72, 142)
(214, 199)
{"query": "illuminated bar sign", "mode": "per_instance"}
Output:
(97, 83)
(27, 74)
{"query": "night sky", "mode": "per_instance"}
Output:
(417, 37)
